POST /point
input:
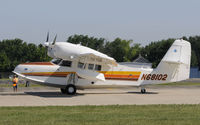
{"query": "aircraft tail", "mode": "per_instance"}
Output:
(175, 65)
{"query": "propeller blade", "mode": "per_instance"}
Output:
(54, 41)
(47, 37)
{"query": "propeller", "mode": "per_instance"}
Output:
(49, 46)
(54, 41)
(47, 37)
(46, 44)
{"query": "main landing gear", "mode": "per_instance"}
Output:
(70, 89)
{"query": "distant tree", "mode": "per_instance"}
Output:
(121, 50)
(195, 43)
(134, 52)
(4, 61)
(14, 52)
(155, 51)
(194, 61)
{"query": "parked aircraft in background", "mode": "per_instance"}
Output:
(78, 67)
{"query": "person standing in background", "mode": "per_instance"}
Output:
(15, 81)
(27, 84)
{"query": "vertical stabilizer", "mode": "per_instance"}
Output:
(175, 65)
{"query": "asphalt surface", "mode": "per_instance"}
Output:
(46, 96)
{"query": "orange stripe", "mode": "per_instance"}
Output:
(121, 72)
(122, 76)
(64, 74)
(122, 79)
(38, 63)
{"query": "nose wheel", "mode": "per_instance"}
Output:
(143, 90)
(70, 89)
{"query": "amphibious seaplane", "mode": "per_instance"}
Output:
(78, 67)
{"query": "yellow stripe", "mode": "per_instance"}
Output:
(121, 72)
(104, 72)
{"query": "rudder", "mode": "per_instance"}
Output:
(175, 65)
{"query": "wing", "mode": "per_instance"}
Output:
(100, 58)
(28, 78)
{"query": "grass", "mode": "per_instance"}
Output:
(7, 85)
(4, 79)
(102, 115)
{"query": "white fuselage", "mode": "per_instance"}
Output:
(86, 68)
(50, 74)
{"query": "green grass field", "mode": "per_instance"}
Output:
(4, 79)
(20, 85)
(102, 115)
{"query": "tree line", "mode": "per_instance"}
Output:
(16, 51)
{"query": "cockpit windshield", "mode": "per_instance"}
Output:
(56, 61)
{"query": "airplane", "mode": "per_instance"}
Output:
(78, 67)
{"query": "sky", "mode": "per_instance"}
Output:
(142, 21)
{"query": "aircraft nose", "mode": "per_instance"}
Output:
(19, 68)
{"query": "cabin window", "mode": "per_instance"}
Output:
(81, 65)
(90, 66)
(56, 61)
(66, 63)
(98, 67)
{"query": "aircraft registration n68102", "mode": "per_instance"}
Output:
(154, 77)
(78, 67)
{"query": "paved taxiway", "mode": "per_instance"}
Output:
(51, 96)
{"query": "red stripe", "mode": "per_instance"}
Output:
(122, 76)
(109, 77)
(122, 79)
(38, 63)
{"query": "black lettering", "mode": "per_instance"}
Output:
(144, 77)
(148, 76)
(153, 77)
(164, 77)
(160, 77)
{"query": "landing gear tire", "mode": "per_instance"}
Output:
(143, 91)
(71, 89)
(63, 91)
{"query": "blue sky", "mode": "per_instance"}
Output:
(140, 20)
